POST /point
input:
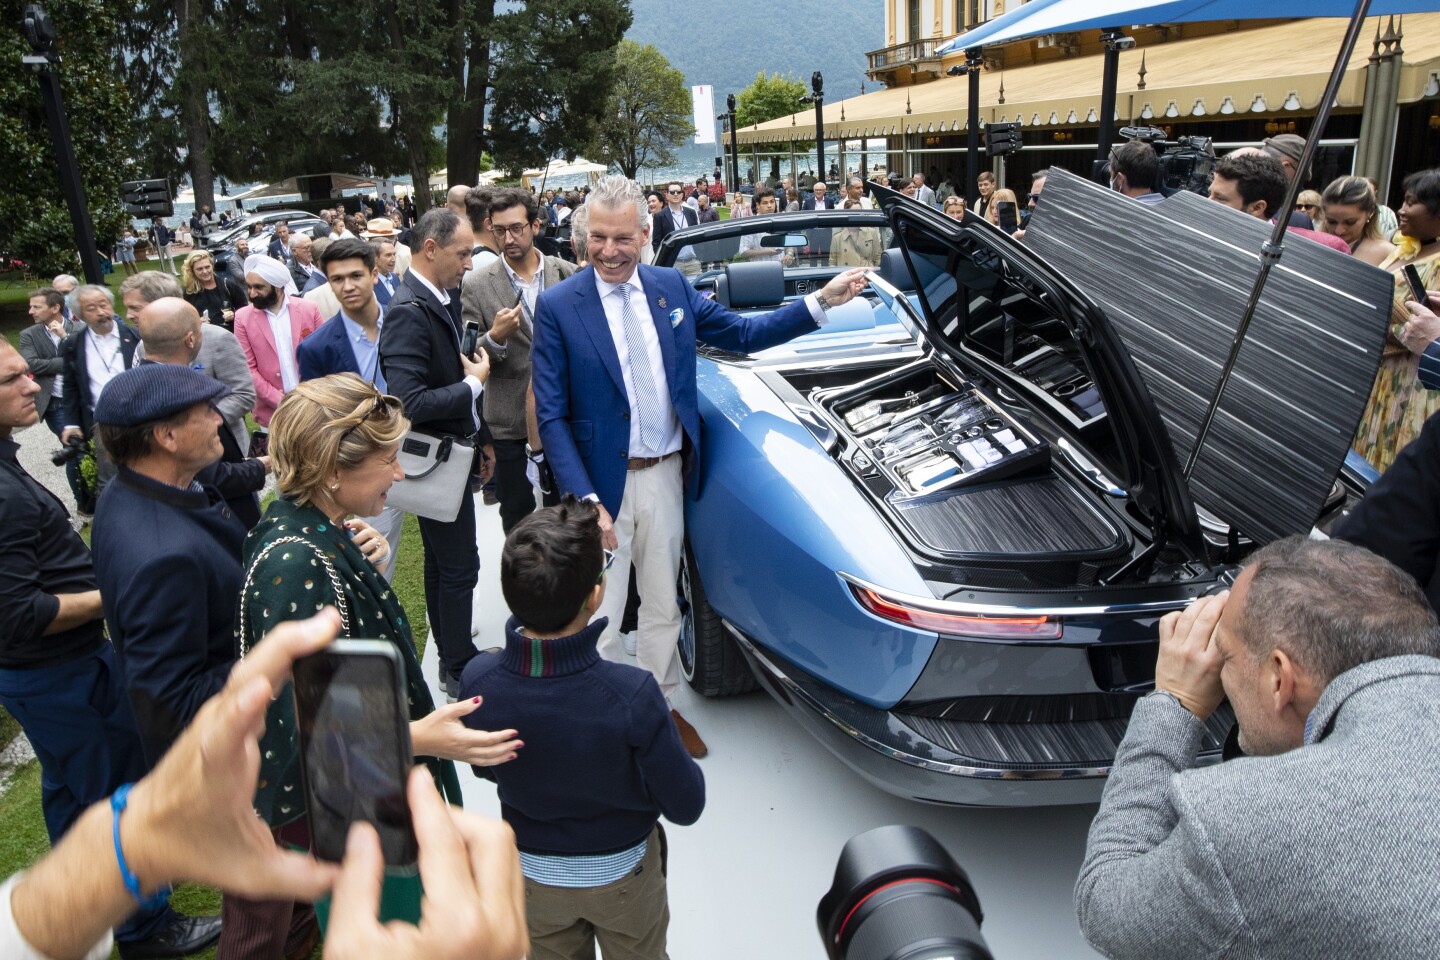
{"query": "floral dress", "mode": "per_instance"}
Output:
(287, 579)
(1399, 405)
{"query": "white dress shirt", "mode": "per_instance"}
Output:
(58, 390)
(654, 358)
(284, 349)
(103, 360)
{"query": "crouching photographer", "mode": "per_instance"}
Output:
(191, 819)
(1323, 842)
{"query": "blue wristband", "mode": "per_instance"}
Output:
(118, 801)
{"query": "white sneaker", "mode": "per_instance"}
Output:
(628, 639)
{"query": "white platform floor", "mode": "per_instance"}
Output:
(745, 879)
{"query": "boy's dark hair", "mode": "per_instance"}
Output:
(551, 561)
(1256, 177)
(347, 249)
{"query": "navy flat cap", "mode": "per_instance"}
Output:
(154, 391)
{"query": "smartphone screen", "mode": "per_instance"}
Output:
(355, 747)
(1005, 213)
(471, 339)
(1417, 286)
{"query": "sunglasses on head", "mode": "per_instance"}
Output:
(380, 403)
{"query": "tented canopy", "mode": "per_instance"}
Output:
(305, 186)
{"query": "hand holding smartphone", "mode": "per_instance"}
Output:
(471, 340)
(1418, 292)
(354, 735)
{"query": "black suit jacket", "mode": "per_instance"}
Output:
(809, 203)
(76, 398)
(663, 224)
(420, 356)
(278, 251)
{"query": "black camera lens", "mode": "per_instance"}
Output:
(898, 895)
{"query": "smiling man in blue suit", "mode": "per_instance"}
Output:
(614, 381)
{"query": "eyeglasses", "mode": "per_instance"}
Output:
(517, 230)
(1033, 197)
(609, 562)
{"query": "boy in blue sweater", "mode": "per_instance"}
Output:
(602, 760)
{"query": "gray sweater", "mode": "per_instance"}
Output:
(1329, 850)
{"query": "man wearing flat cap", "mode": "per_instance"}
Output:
(167, 550)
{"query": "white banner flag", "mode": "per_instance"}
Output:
(704, 97)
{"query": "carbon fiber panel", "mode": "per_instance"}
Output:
(1174, 280)
(1042, 517)
(1022, 745)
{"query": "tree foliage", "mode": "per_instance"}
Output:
(554, 69)
(35, 223)
(648, 112)
(274, 88)
(769, 96)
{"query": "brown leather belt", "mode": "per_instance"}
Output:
(645, 463)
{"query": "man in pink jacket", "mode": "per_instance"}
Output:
(270, 330)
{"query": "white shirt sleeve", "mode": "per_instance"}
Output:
(14, 946)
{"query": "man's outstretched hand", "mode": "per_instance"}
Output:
(846, 286)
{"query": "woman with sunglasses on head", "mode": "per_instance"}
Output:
(334, 443)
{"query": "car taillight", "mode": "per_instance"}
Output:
(959, 625)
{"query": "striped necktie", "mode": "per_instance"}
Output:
(642, 380)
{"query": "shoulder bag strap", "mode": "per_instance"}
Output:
(340, 601)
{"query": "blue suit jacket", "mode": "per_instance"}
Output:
(326, 351)
(580, 397)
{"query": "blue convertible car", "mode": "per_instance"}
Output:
(942, 529)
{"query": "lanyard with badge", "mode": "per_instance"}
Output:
(539, 283)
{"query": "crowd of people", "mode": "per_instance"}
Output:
(341, 345)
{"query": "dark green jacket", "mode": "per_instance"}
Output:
(291, 582)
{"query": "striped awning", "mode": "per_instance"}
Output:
(1269, 71)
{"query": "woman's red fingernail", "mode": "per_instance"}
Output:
(476, 700)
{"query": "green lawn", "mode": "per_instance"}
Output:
(15, 300)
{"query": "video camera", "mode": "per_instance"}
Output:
(1186, 163)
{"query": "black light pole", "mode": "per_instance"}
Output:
(1114, 41)
(40, 32)
(974, 60)
(734, 147)
(817, 89)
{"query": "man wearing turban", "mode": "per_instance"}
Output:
(270, 329)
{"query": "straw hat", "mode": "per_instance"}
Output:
(380, 227)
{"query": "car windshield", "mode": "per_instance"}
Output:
(780, 259)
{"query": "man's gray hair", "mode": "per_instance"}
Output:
(1332, 606)
(300, 240)
(90, 289)
(614, 192)
(580, 231)
(439, 225)
(152, 285)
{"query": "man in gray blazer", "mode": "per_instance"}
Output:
(1324, 841)
(40, 346)
(500, 297)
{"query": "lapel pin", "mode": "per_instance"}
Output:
(662, 303)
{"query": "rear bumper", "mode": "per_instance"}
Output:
(957, 763)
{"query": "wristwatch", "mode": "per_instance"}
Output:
(821, 299)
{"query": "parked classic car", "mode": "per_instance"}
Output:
(942, 529)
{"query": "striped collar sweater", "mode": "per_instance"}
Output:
(601, 760)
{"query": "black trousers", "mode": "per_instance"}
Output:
(452, 566)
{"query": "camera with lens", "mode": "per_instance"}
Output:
(898, 895)
(1186, 163)
(74, 449)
